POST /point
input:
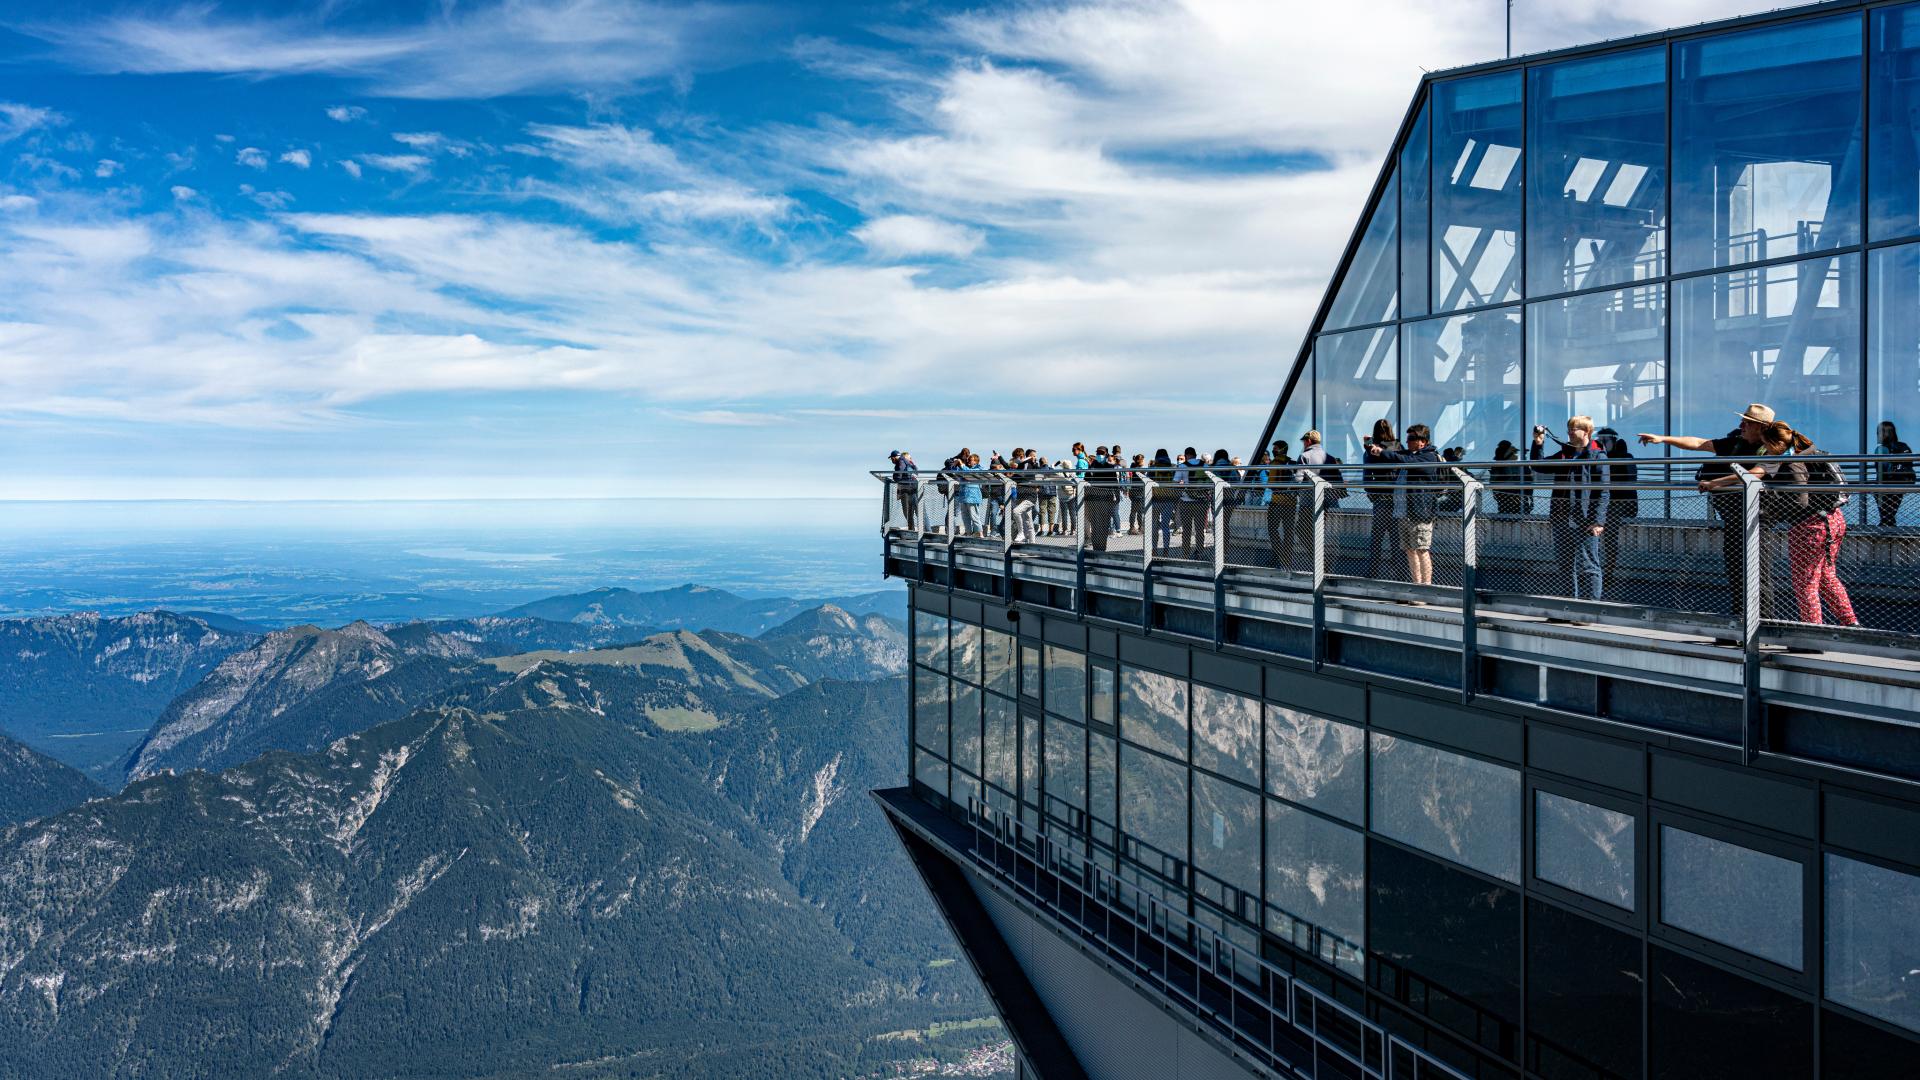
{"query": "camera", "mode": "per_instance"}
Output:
(1539, 429)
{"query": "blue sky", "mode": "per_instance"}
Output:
(579, 248)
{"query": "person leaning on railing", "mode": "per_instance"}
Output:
(1100, 480)
(1805, 494)
(1380, 486)
(906, 487)
(1722, 486)
(1893, 472)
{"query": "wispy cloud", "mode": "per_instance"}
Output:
(400, 163)
(252, 157)
(17, 119)
(492, 50)
(899, 235)
(345, 114)
(350, 167)
(107, 167)
(626, 174)
(299, 159)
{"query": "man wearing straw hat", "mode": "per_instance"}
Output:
(1718, 480)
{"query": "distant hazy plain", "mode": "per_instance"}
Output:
(332, 562)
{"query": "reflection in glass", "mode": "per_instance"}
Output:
(1226, 841)
(1296, 415)
(1066, 683)
(1457, 933)
(1476, 191)
(1030, 760)
(1100, 783)
(1737, 896)
(1226, 734)
(1766, 143)
(1153, 806)
(1456, 807)
(997, 658)
(1583, 847)
(1356, 378)
(1001, 743)
(1702, 1021)
(1583, 997)
(930, 711)
(930, 640)
(966, 727)
(1029, 669)
(1153, 711)
(1367, 293)
(1317, 762)
(965, 655)
(1104, 699)
(1601, 355)
(1893, 96)
(1462, 379)
(1596, 171)
(1873, 949)
(1786, 335)
(1316, 879)
(1416, 177)
(1066, 779)
(1893, 343)
(931, 771)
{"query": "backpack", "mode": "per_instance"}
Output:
(1824, 474)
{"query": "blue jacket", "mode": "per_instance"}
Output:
(969, 494)
(1577, 505)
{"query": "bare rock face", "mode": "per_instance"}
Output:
(235, 712)
(830, 642)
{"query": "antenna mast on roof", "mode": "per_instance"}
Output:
(1509, 29)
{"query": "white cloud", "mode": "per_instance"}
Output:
(625, 174)
(299, 159)
(512, 47)
(182, 193)
(900, 235)
(351, 167)
(16, 119)
(345, 114)
(107, 167)
(402, 163)
(17, 204)
(725, 418)
(252, 157)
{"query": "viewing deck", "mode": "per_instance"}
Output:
(1316, 574)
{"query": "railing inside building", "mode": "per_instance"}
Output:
(1277, 1020)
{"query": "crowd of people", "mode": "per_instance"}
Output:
(1590, 479)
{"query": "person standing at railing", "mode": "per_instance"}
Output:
(1577, 511)
(1099, 491)
(1380, 485)
(1047, 491)
(1893, 471)
(1622, 508)
(1281, 504)
(1137, 495)
(906, 487)
(1313, 457)
(1120, 485)
(1808, 500)
(1025, 498)
(967, 496)
(1414, 502)
(1722, 487)
(1190, 480)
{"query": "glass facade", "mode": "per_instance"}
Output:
(1442, 887)
(1544, 225)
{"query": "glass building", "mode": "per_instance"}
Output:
(1191, 821)
(1652, 233)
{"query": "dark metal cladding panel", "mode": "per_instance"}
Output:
(1875, 827)
(1477, 732)
(1317, 695)
(1600, 761)
(1737, 794)
(1158, 655)
(1226, 672)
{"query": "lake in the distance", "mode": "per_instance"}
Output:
(333, 562)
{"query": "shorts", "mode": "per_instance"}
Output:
(1416, 535)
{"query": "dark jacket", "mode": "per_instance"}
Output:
(1572, 499)
(1419, 487)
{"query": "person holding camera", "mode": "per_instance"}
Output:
(1577, 510)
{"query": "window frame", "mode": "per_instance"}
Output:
(1806, 982)
(1637, 919)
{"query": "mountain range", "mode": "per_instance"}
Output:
(34, 785)
(415, 851)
